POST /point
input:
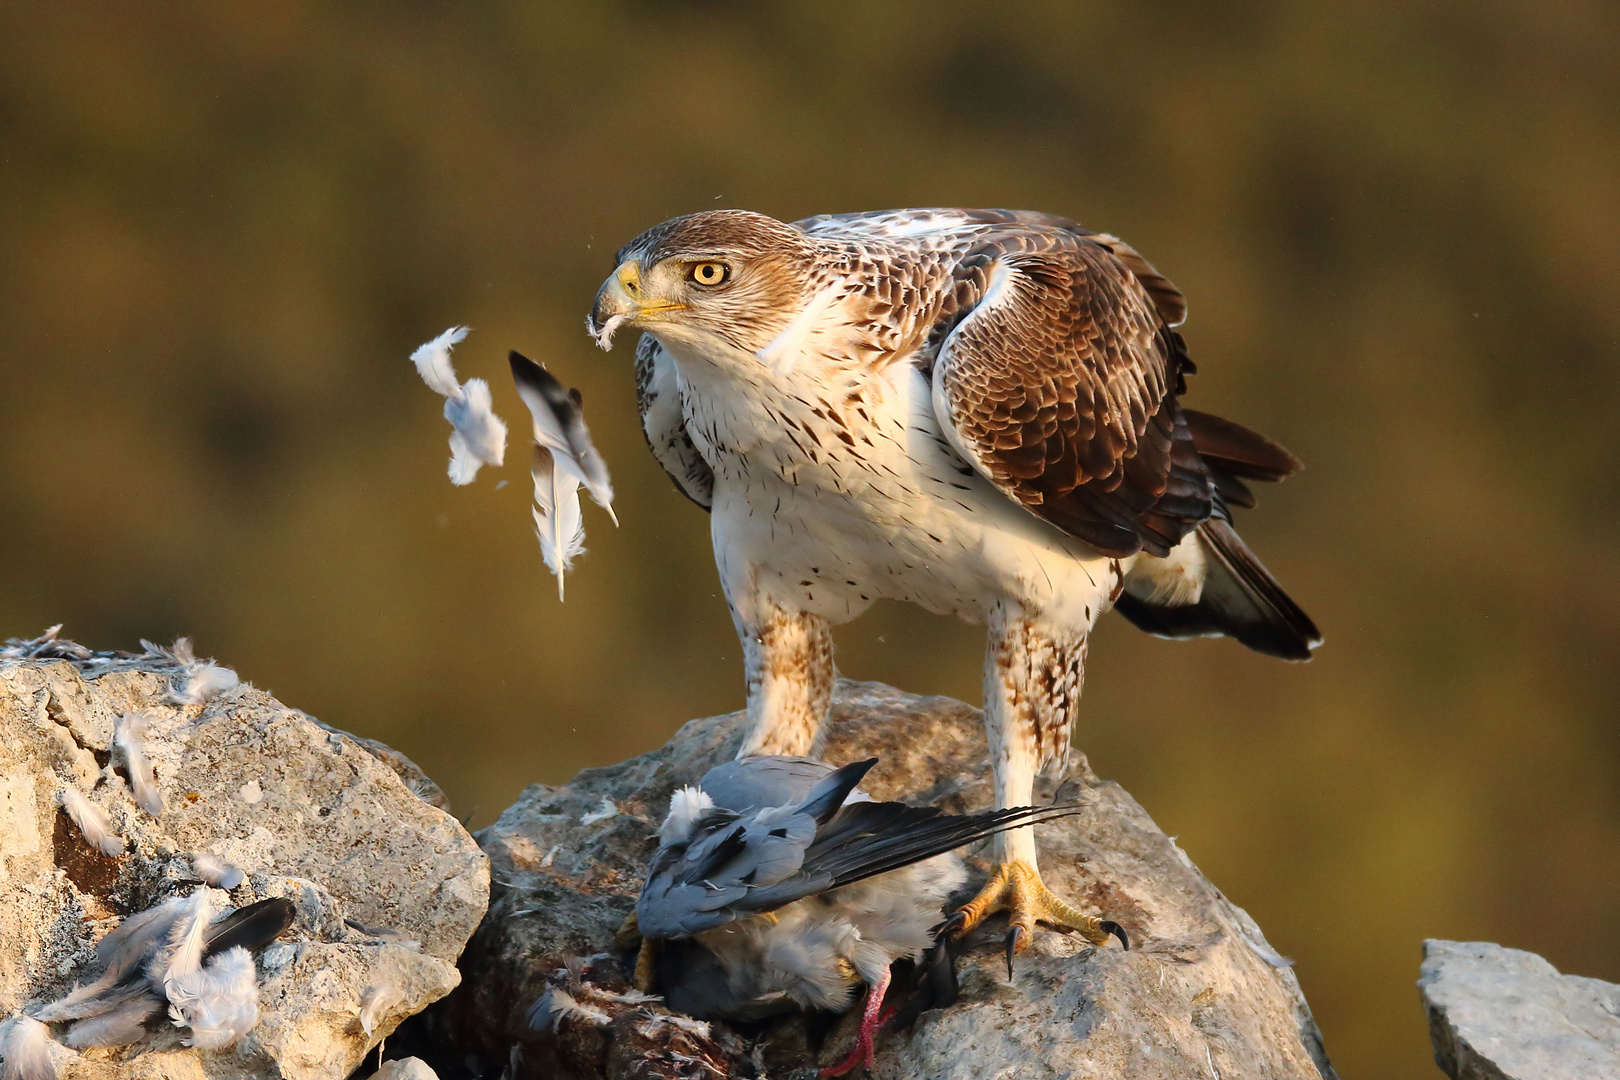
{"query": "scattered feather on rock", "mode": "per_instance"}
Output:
(216, 871)
(45, 647)
(478, 436)
(557, 1004)
(92, 822)
(564, 460)
(219, 1002)
(175, 955)
(25, 1047)
(203, 683)
(376, 1001)
(129, 734)
(608, 808)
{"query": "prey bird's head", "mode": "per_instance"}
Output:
(727, 274)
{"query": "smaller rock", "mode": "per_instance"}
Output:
(405, 1069)
(1505, 1014)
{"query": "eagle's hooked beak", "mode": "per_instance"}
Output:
(621, 300)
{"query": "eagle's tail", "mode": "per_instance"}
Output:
(1240, 598)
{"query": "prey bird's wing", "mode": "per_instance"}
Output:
(1059, 384)
(700, 882)
(754, 783)
(741, 864)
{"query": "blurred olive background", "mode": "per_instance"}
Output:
(223, 229)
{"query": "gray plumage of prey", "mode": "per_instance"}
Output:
(778, 884)
(174, 961)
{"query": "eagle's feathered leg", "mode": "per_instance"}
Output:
(1032, 679)
(789, 657)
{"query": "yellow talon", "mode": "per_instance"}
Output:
(1017, 888)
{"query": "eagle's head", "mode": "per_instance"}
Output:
(723, 275)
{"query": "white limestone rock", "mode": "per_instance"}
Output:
(388, 888)
(1505, 1014)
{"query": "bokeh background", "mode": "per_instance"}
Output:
(224, 227)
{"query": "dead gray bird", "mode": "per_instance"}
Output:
(174, 956)
(778, 885)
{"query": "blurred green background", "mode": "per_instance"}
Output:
(223, 228)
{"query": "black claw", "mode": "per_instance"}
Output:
(1013, 934)
(952, 926)
(1111, 927)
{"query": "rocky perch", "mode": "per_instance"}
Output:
(388, 889)
(387, 886)
(1199, 994)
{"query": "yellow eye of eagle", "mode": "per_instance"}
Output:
(709, 273)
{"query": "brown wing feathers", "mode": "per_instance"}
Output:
(1061, 381)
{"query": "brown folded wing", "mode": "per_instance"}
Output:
(1060, 385)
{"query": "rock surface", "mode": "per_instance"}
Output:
(1200, 994)
(388, 888)
(1504, 1014)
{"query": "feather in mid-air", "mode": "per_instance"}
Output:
(92, 821)
(477, 436)
(564, 460)
(777, 884)
(976, 411)
(177, 957)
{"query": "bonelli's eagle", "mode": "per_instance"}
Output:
(978, 411)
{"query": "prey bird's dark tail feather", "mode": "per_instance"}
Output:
(879, 853)
(252, 927)
(829, 794)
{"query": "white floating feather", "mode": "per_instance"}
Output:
(92, 822)
(478, 436)
(26, 1044)
(432, 361)
(182, 956)
(216, 871)
(606, 810)
(204, 682)
(129, 734)
(557, 518)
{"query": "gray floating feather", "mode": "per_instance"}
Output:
(564, 459)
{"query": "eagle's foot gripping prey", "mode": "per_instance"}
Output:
(1016, 888)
